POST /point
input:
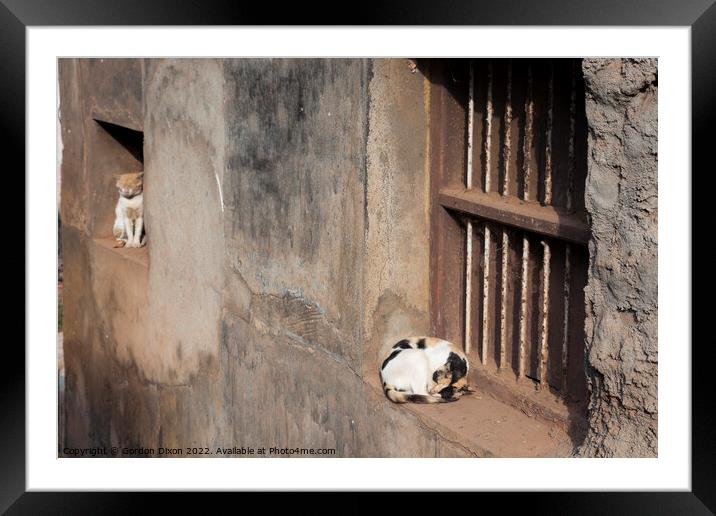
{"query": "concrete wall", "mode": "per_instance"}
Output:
(287, 219)
(245, 320)
(621, 294)
(184, 167)
(396, 277)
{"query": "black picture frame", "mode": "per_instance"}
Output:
(17, 15)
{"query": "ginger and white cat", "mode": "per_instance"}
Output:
(424, 370)
(129, 213)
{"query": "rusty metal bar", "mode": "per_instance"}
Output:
(572, 133)
(547, 255)
(506, 155)
(468, 288)
(488, 238)
(507, 149)
(503, 295)
(526, 151)
(488, 127)
(550, 221)
(546, 265)
(486, 293)
(470, 124)
(568, 247)
(565, 329)
(523, 304)
(548, 138)
(468, 182)
(527, 143)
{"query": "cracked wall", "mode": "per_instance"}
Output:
(184, 164)
(621, 294)
(295, 132)
(397, 276)
(287, 214)
(245, 324)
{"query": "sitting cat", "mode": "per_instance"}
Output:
(424, 370)
(129, 212)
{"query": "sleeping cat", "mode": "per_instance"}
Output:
(424, 370)
(129, 212)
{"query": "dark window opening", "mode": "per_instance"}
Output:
(508, 225)
(115, 150)
(130, 139)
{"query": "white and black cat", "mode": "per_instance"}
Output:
(129, 212)
(424, 370)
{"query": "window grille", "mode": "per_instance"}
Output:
(508, 225)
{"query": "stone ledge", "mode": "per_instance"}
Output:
(140, 255)
(487, 427)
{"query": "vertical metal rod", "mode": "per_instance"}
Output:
(487, 242)
(527, 144)
(565, 329)
(572, 133)
(548, 138)
(503, 295)
(507, 149)
(546, 265)
(488, 127)
(523, 304)
(568, 247)
(506, 155)
(486, 293)
(527, 149)
(468, 182)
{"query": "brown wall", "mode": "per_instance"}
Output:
(243, 320)
(621, 296)
(287, 219)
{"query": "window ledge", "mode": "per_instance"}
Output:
(138, 255)
(487, 427)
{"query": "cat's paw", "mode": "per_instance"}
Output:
(119, 243)
(467, 389)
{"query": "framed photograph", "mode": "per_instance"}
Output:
(452, 243)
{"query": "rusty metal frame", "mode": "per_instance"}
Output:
(448, 162)
(456, 204)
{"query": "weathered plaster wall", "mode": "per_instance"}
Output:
(244, 325)
(293, 334)
(621, 295)
(112, 92)
(104, 294)
(396, 273)
(184, 167)
(287, 216)
(295, 136)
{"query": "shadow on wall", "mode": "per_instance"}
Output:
(131, 140)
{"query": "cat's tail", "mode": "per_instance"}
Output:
(405, 397)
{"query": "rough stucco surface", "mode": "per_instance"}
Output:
(244, 325)
(184, 165)
(295, 179)
(286, 206)
(292, 334)
(396, 271)
(113, 91)
(621, 294)
(74, 179)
